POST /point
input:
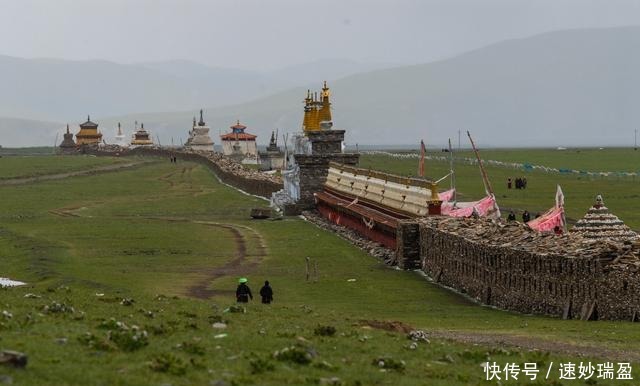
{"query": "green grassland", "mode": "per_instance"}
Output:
(586, 159)
(620, 193)
(33, 166)
(175, 240)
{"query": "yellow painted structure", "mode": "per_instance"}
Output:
(317, 112)
(141, 137)
(88, 134)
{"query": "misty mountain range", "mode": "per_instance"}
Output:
(569, 88)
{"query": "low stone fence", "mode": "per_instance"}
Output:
(228, 171)
(516, 269)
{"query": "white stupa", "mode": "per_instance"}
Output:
(199, 138)
(120, 138)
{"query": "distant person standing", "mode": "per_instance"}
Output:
(266, 292)
(524, 182)
(511, 216)
(243, 292)
(509, 183)
(526, 217)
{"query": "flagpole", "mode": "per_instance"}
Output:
(453, 174)
(485, 179)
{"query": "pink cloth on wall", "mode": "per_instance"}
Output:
(548, 221)
(447, 195)
(484, 207)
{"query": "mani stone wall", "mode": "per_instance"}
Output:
(564, 276)
(228, 171)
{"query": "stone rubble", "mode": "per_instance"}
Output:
(518, 236)
(373, 248)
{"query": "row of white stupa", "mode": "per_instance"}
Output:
(237, 142)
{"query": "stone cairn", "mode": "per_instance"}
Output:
(601, 224)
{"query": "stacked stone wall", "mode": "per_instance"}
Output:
(228, 172)
(528, 282)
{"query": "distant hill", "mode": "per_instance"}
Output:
(62, 90)
(569, 88)
(25, 132)
(576, 87)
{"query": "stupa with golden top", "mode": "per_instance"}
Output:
(317, 112)
(88, 134)
(141, 137)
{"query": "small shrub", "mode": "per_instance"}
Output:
(192, 348)
(168, 363)
(259, 366)
(389, 363)
(235, 309)
(160, 329)
(90, 340)
(294, 354)
(187, 314)
(57, 308)
(325, 331)
(129, 339)
(112, 324)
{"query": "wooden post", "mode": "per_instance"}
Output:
(453, 174)
(485, 179)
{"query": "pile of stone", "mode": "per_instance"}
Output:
(373, 248)
(518, 236)
(601, 224)
(231, 166)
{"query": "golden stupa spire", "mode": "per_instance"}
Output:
(306, 121)
(317, 110)
(325, 110)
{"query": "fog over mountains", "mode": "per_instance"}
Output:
(565, 88)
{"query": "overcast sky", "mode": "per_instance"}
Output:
(266, 34)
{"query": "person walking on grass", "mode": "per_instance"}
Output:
(243, 292)
(267, 293)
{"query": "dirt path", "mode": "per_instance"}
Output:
(514, 341)
(532, 343)
(59, 176)
(237, 266)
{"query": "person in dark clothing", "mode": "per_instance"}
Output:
(243, 292)
(526, 217)
(511, 216)
(509, 183)
(267, 293)
(524, 182)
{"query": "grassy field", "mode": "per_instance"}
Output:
(33, 166)
(620, 193)
(160, 247)
(586, 159)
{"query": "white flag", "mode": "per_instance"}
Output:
(559, 198)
